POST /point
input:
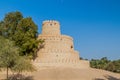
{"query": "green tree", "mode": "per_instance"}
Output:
(23, 64)
(106, 64)
(10, 59)
(8, 54)
(9, 23)
(100, 64)
(113, 66)
(26, 37)
(23, 31)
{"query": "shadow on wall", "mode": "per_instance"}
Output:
(108, 78)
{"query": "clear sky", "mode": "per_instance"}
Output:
(94, 24)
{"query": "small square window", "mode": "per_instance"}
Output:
(51, 24)
(54, 23)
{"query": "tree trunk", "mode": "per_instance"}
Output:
(7, 73)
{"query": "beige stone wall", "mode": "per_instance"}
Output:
(58, 49)
(59, 43)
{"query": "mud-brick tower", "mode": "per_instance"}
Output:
(58, 49)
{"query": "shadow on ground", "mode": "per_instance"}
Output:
(108, 78)
(20, 77)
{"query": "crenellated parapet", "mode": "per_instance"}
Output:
(50, 21)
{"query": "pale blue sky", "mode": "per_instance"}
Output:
(94, 24)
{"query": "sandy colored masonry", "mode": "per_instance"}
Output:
(58, 49)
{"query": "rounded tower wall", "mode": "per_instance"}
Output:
(51, 27)
(58, 43)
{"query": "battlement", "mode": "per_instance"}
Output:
(50, 21)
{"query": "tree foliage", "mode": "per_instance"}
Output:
(106, 64)
(10, 59)
(23, 64)
(23, 31)
(8, 54)
(9, 24)
(113, 66)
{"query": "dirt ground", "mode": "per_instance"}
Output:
(56, 73)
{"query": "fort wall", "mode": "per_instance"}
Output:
(58, 49)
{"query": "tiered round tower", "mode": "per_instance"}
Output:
(58, 49)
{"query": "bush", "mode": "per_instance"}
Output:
(106, 64)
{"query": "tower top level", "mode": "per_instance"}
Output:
(51, 27)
